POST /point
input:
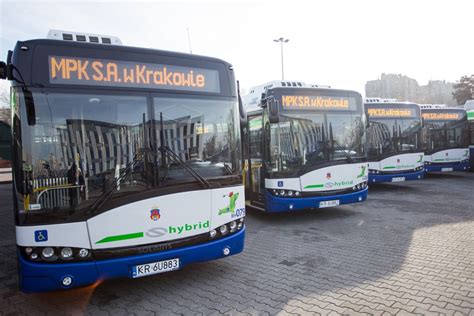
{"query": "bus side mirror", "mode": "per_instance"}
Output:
(243, 114)
(3, 70)
(273, 116)
(30, 107)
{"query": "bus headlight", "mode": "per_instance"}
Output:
(232, 226)
(212, 233)
(56, 254)
(66, 253)
(223, 230)
(47, 252)
(83, 253)
(228, 228)
(285, 193)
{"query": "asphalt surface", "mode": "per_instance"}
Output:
(408, 249)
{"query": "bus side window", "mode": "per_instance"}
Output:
(255, 152)
(255, 137)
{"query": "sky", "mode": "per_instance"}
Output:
(338, 43)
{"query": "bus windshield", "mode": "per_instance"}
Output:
(441, 135)
(389, 136)
(84, 145)
(304, 140)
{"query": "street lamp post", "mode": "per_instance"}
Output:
(281, 40)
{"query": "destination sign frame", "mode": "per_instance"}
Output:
(67, 70)
(379, 112)
(442, 116)
(318, 102)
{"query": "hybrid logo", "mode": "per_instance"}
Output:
(338, 184)
(187, 227)
(156, 232)
(329, 185)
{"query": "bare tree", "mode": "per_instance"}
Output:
(5, 111)
(4, 98)
(464, 89)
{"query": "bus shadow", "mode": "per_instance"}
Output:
(301, 215)
(408, 187)
(445, 175)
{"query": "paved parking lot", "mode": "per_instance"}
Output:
(408, 249)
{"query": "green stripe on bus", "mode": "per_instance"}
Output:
(470, 115)
(439, 160)
(120, 237)
(389, 167)
(314, 186)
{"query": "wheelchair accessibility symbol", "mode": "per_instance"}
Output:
(41, 235)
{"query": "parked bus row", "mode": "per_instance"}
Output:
(129, 162)
(308, 146)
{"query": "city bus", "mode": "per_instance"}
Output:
(126, 161)
(445, 138)
(304, 147)
(394, 141)
(469, 108)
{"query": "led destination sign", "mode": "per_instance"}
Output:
(391, 112)
(102, 72)
(317, 102)
(442, 116)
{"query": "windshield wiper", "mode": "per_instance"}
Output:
(333, 141)
(177, 159)
(107, 194)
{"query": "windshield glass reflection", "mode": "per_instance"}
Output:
(303, 140)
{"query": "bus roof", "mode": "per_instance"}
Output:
(31, 58)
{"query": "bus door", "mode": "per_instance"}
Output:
(255, 175)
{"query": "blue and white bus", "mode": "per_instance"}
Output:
(394, 141)
(304, 147)
(126, 161)
(445, 138)
(469, 108)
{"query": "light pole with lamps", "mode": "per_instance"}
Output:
(281, 40)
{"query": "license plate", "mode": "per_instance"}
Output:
(155, 268)
(446, 169)
(398, 179)
(328, 203)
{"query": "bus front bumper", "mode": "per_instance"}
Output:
(443, 167)
(377, 178)
(277, 204)
(40, 277)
